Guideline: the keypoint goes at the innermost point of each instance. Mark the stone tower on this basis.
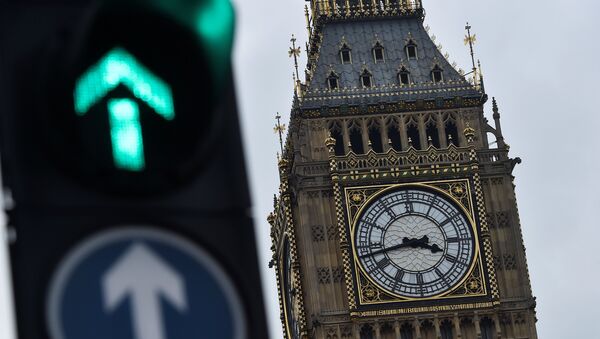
(397, 215)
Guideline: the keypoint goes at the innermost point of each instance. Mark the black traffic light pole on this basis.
(131, 214)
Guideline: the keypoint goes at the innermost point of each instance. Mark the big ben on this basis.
(397, 216)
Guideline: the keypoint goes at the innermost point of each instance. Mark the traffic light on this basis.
(121, 149)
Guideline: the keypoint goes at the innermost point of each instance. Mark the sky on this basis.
(539, 60)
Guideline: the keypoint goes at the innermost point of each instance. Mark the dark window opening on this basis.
(487, 328)
(356, 142)
(446, 329)
(366, 80)
(413, 135)
(406, 332)
(378, 53)
(411, 51)
(395, 140)
(375, 138)
(432, 133)
(346, 55)
(339, 142)
(452, 133)
(366, 332)
(436, 74)
(404, 76)
(332, 81)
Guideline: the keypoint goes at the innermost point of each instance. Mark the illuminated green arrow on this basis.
(120, 67)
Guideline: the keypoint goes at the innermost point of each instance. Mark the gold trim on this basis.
(469, 212)
(424, 309)
(286, 322)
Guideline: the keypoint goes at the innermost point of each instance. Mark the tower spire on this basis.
(470, 40)
(279, 129)
(294, 52)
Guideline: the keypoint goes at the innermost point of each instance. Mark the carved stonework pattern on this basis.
(327, 275)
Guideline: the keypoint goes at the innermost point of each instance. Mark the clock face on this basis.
(289, 294)
(414, 242)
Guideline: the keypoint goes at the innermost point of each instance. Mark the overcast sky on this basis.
(540, 60)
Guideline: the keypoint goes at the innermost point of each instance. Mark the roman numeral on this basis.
(450, 258)
(433, 201)
(441, 275)
(419, 279)
(399, 275)
(383, 263)
(448, 220)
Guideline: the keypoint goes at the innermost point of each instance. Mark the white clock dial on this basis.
(414, 242)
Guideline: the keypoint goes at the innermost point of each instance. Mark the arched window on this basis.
(446, 329)
(394, 136)
(487, 328)
(411, 50)
(432, 132)
(404, 76)
(378, 54)
(406, 332)
(375, 137)
(412, 131)
(336, 133)
(451, 131)
(346, 54)
(437, 74)
(366, 79)
(356, 141)
(333, 81)
(366, 332)
(387, 331)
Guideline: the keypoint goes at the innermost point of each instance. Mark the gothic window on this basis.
(366, 332)
(333, 80)
(346, 54)
(446, 329)
(406, 332)
(378, 54)
(487, 328)
(375, 137)
(394, 136)
(404, 76)
(387, 331)
(356, 141)
(411, 50)
(336, 133)
(366, 79)
(437, 74)
(432, 132)
(451, 131)
(412, 131)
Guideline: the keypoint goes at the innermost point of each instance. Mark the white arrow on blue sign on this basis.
(141, 283)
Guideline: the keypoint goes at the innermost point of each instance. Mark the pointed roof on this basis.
(361, 35)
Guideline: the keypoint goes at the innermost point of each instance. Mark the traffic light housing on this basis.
(116, 114)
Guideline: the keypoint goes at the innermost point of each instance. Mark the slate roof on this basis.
(393, 35)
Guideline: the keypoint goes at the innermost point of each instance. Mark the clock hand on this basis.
(405, 243)
(423, 242)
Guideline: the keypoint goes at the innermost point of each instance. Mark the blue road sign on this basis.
(141, 283)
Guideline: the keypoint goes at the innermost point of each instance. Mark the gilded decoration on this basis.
(473, 284)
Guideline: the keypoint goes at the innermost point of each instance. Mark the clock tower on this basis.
(397, 215)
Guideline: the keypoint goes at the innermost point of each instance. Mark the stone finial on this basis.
(330, 143)
(469, 133)
(271, 219)
(283, 163)
(495, 108)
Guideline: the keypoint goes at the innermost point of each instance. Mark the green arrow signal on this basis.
(120, 67)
